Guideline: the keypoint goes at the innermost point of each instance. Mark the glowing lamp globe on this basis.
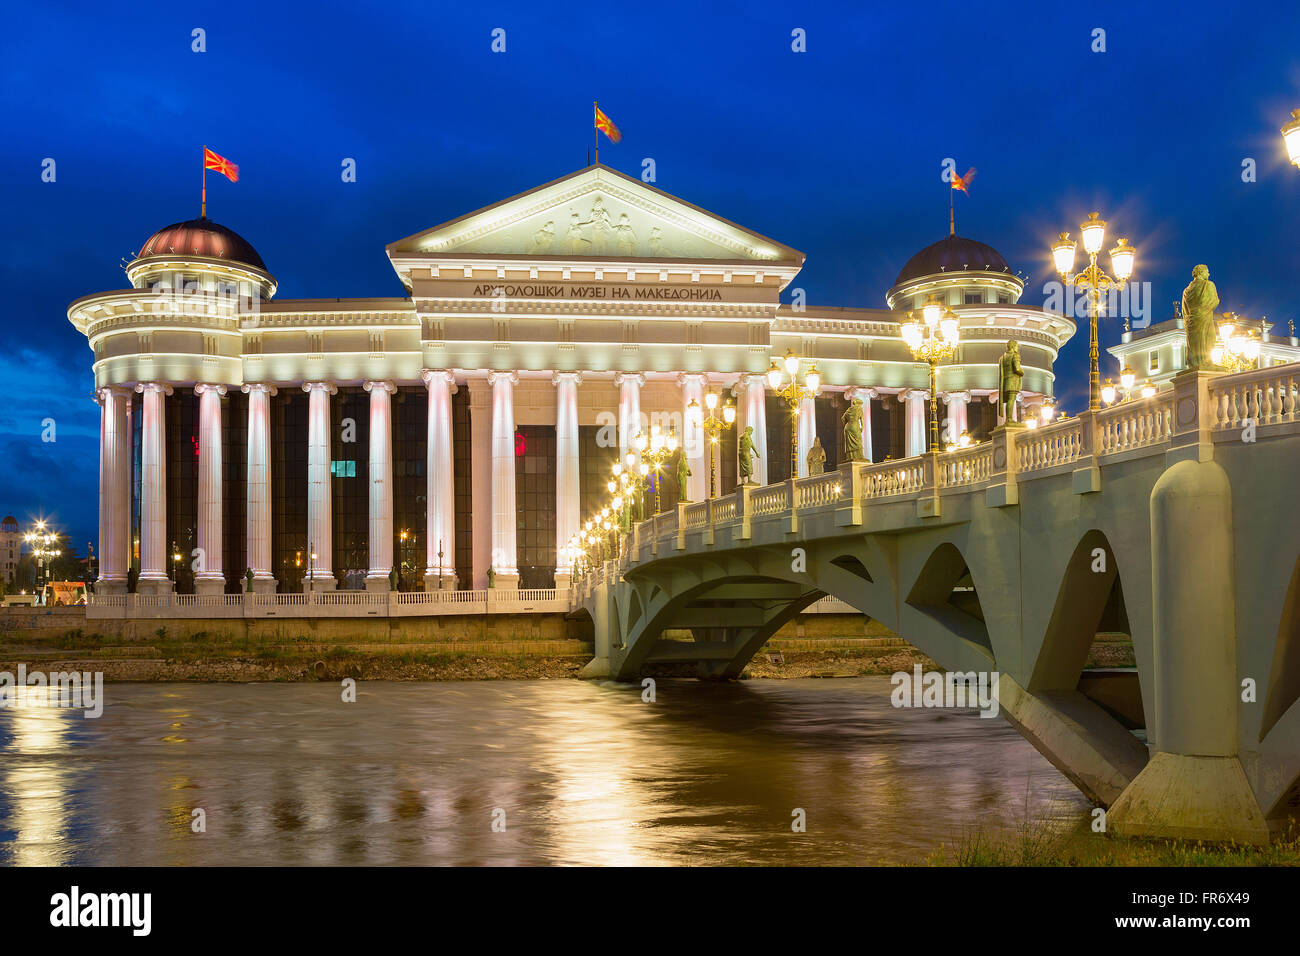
(950, 327)
(711, 400)
(1121, 260)
(813, 379)
(791, 363)
(1291, 136)
(1063, 254)
(1148, 390)
(1126, 378)
(1108, 392)
(729, 413)
(913, 334)
(1094, 234)
(931, 311)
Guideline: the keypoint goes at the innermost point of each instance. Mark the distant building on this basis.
(11, 546)
(1159, 352)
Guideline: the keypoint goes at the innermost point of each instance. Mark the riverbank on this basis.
(867, 648)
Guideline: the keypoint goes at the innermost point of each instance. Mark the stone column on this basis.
(259, 488)
(153, 490)
(568, 486)
(754, 412)
(114, 490)
(209, 578)
(440, 500)
(956, 402)
(629, 408)
(504, 547)
(380, 475)
(917, 423)
(695, 440)
(807, 432)
(320, 500)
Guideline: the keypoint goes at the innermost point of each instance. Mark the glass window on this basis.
(535, 459)
(973, 298)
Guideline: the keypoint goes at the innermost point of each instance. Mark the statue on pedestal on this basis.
(746, 453)
(852, 422)
(816, 458)
(1200, 299)
(1010, 375)
(683, 472)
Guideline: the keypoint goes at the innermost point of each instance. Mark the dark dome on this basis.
(952, 254)
(202, 237)
(10, 523)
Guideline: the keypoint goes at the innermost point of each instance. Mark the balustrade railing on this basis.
(968, 466)
(1136, 424)
(890, 478)
(1265, 396)
(1049, 446)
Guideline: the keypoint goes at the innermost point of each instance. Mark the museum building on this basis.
(470, 424)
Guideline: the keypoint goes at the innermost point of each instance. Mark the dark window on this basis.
(289, 555)
(973, 298)
(595, 469)
(410, 407)
(350, 486)
(234, 488)
(182, 457)
(462, 444)
(535, 505)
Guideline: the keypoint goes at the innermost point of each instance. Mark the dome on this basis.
(202, 237)
(9, 523)
(952, 254)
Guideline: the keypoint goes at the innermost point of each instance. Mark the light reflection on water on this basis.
(585, 773)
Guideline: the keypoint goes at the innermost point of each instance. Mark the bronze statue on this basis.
(816, 458)
(1010, 375)
(852, 422)
(1200, 299)
(747, 452)
(683, 472)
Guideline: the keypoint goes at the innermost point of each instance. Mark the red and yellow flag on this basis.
(220, 164)
(606, 126)
(962, 182)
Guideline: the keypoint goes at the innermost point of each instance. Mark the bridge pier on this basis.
(1194, 786)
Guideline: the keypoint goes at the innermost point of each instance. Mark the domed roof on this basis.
(952, 254)
(202, 237)
(9, 523)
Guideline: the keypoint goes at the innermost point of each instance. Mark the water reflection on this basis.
(584, 774)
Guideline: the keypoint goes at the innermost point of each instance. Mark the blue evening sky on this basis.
(835, 151)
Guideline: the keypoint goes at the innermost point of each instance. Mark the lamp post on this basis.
(932, 339)
(714, 426)
(1094, 280)
(40, 541)
(661, 449)
(793, 393)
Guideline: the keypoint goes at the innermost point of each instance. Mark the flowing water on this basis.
(576, 772)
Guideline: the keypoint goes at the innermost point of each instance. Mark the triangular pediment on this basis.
(595, 212)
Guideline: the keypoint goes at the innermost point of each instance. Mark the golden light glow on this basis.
(1291, 137)
(1063, 254)
(1093, 233)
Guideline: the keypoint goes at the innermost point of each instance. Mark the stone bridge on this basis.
(1172, 519)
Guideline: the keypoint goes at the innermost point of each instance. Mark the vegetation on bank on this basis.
(1044, 841)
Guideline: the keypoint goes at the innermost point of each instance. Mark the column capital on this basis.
(100, 394)
(496, 375)
(955, 396)
(631, 378)
(574, 377)
(691, 378)
(143, 387)
(250, 387)
(383, 386)
(328, 387)
(440, 376)
(857, 391)
(753, 380)
(201, 387)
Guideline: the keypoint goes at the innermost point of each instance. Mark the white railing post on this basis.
(1087, 474)
(1003, 489)
(1193, 418)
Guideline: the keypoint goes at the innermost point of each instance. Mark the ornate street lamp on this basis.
(1094, 280)
(40, 545)
(1237, 351)
(714, 426)
(662, 447)
(931, 340)
(793, 394)
(1291, 137)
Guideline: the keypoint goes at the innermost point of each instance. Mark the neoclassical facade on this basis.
(461, 431)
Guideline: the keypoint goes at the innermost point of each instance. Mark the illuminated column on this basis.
(259, 488)
(956, 402)
(153, 490)
(694, 439)
(208, 578)
(380, 474)
(440, 508)
(114, 490)
(915, 400)
(755, 414)
(320, 529)
(629, 408)
(567, 476)
(504, 550)
(806, 433)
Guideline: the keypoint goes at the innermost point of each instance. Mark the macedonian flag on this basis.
(963, 182)
(606, 126)
(220, 164)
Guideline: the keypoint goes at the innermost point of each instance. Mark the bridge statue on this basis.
(1010, 375)
(746, 452)
(683, 472)
(816, 458)
(852, 422)
(1200, 299)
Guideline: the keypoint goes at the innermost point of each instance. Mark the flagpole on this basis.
(203, 214)
(952, 226)
(594, 107)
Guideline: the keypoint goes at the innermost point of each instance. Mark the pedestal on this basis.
(204, 584)
(446, 582)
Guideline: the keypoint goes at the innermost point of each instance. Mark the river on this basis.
(510, 772)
